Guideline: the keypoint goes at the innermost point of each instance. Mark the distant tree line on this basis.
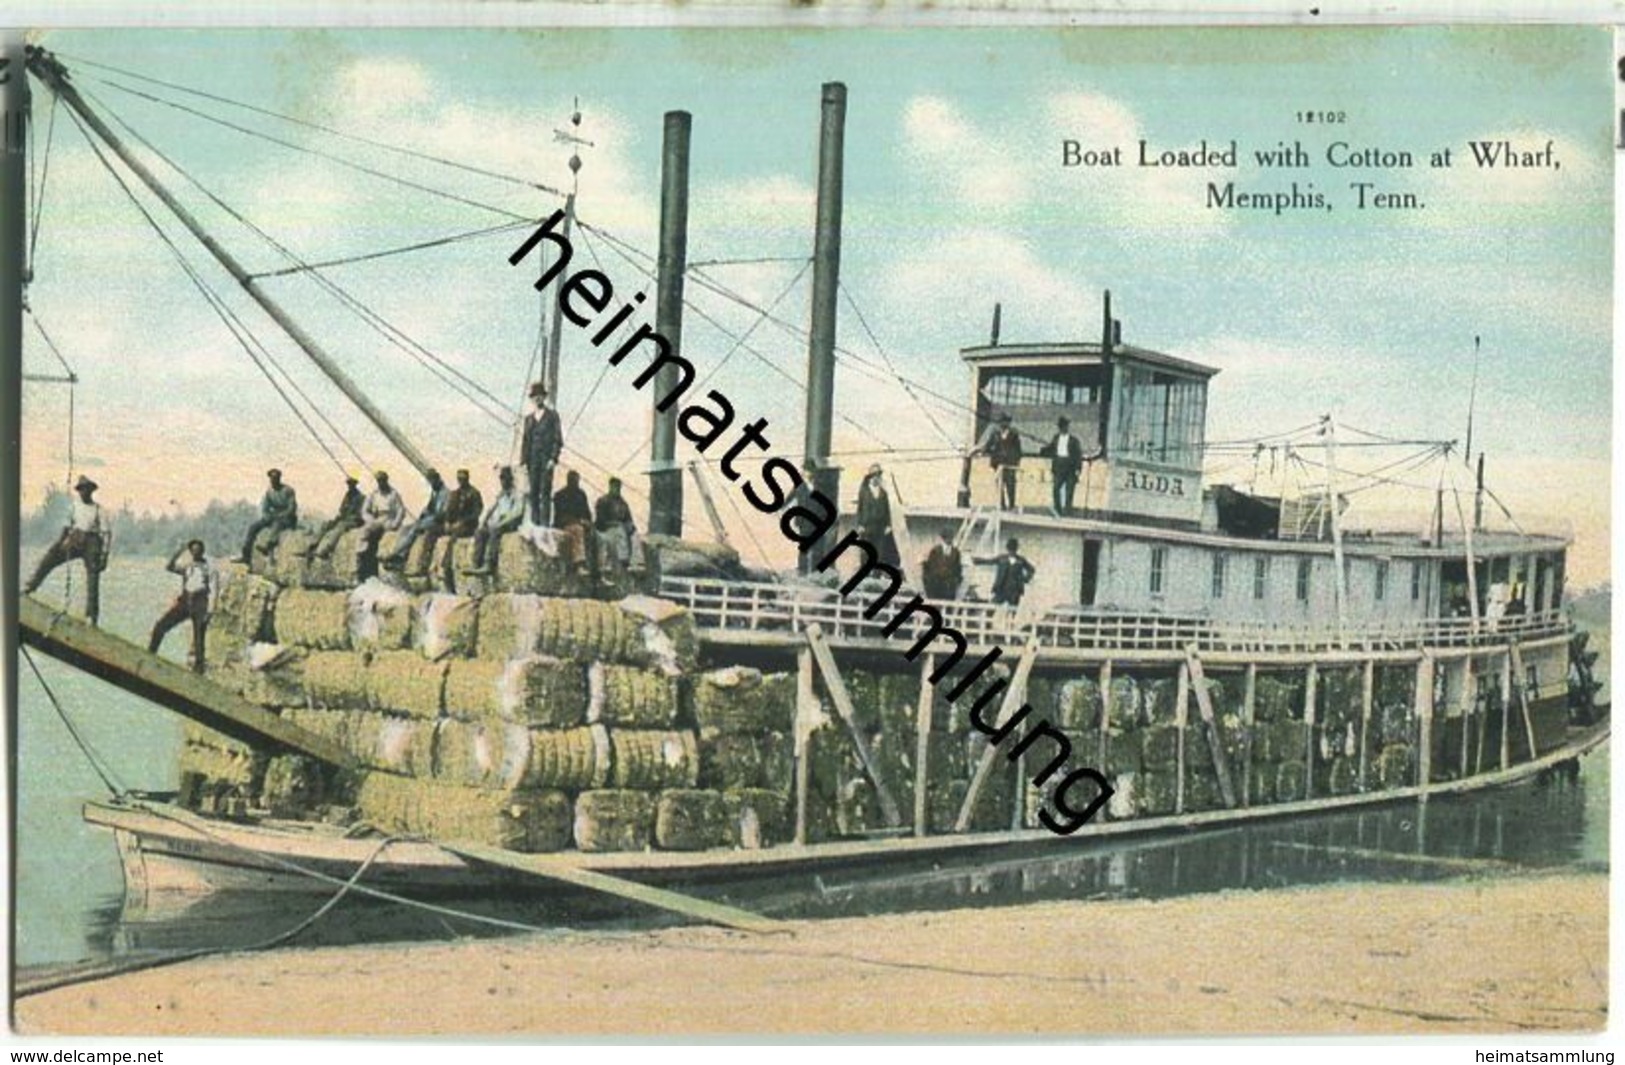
(221, 526)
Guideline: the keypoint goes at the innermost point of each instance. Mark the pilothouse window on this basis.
(1160, 417)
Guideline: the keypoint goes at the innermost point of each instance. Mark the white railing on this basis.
(789, 609)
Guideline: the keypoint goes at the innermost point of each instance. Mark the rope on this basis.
(44, 173)
(603, 371)
(233, 324)
(442, 370)
(361, 889)
(329, 156)
(96, 763)
(907, 387)
(740, 340)
(413, 153)
(472, 234)
(748, 262)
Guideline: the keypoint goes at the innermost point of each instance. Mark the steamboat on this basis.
(1222, 656)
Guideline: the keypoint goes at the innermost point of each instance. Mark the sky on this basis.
(955, 198)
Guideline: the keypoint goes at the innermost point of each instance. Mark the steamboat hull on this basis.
(173, 858)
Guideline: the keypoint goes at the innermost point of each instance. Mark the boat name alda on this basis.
(1158, 483)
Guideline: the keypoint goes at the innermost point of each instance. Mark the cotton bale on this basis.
(653, 759)
(1289, 782)
(1077, 703)
(758, 817)
(668, 633)
(336, 679)
(293, 787)
(380, 616)
(614, 820)
(573, 759)
(406, 683)
(275, 675)
(626, 696)
(445, 626)
(314, 619)
(525, 821)
(745, 700)
(688, 819)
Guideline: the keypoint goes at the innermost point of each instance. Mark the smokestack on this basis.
(665, 475)
(826, 280)
(998, 309)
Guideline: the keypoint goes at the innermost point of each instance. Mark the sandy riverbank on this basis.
(1481, 955)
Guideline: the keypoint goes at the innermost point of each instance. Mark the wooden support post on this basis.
(1368, 695)
(1424, 718)
(922, 745)
(1105, 711)
(1469, 693)
(806, 711)
(1204, 706)
(1014, 696)
(1520, 684)
(843, 705)
(1310, 687)
(1249, 715)
(1182, 698)
(1506, 708)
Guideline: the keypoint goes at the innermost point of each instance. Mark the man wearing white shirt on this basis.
(504, 516)
(88, 537)
(1065, 453)
(199, 591)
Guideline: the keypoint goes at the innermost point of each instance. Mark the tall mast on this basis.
(826, 289)
(54, 77)
(550, 354)
(13, 230)
(665, 476)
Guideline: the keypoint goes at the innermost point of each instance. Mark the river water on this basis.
(70, 889)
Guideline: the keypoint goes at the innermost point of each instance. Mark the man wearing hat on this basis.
(464, 505)
(874, 515)
(539, 449)
(1002, 446)
(348, 517)
(87, 536)
(200, 589)
(279, 511)
(612, 520)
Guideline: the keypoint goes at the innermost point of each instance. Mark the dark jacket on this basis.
(1010, 578)
(463, 509)
(570, 507)
(874, 510)
(1064, 462)
(542, 440)
(1005, 448)
(612, 511)
(942, 571)
(350, 506)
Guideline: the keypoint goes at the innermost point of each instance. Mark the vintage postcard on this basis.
(657, 532)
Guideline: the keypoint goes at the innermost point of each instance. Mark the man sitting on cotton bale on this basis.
(507, 511)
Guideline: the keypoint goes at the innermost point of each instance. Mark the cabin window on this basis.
(1160, 417)
(1379, 589)
(1303, 579)
(1159, 566)
(1416, 581)
(1261, 577)
(1218, 576)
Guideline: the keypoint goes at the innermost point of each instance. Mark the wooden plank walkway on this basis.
(130, 668)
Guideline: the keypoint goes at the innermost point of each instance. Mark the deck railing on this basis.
(789, 609)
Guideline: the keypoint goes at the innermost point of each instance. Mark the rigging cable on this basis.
(44, 174)
(229, 317)
(338, 159)
(102, 769)
(422, 245)
(740, 340)
(437, 366)
(384, 145)
(907, 387)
